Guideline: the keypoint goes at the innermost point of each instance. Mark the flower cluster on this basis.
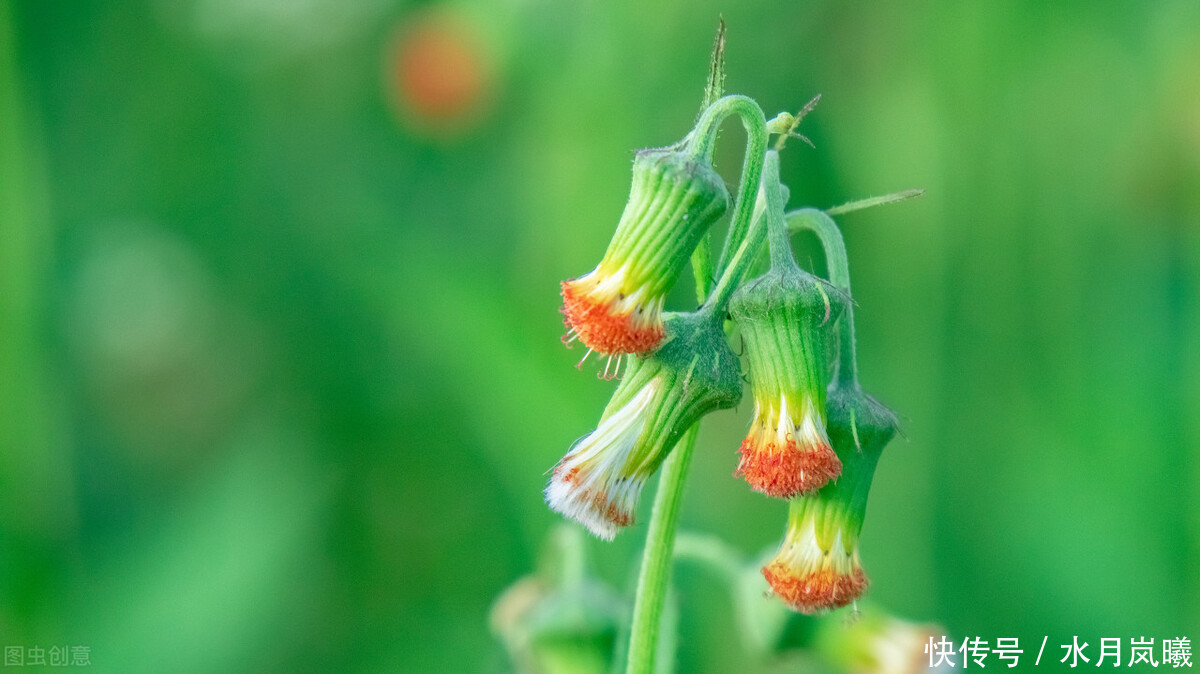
(814, 439)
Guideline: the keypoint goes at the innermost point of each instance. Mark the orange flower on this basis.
(817, 568)
(610, 318)
(785, 317)
(787, 451)
(617, 307)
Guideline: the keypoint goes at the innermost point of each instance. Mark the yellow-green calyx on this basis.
(599, 481)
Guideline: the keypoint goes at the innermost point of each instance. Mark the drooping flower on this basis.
(617, 307)
(785, 317)
(818, 568)
(598, 483)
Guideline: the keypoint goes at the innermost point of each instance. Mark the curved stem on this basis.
(703, 140)
(769, 198)
(655, 573)
(827, 231)
(737, 268)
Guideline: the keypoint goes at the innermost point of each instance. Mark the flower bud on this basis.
(785, 317)
(818, 567)
(875, 643)
(617, 307)
(599, 481)
(575, 630)
(560, 620)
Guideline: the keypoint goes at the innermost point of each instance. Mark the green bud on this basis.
(574, 630)
(876, 642)
(559, 621)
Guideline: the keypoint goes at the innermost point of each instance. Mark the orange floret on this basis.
(787, 452)
(786, 469)
(813, 590)
(608, 321)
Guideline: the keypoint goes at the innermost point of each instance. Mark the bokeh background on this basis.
(280, 377)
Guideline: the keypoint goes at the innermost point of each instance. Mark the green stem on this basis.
(779, 243)
(655, 574)
(747, 252)
(827, 231)
(702, 142)
(564, 563)
(745, 237)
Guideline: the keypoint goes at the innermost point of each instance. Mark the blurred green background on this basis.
(280, 377)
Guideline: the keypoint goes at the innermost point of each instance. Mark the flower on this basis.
(611, 314)
(818, 568)
(785, 317)
(598, 483)
(787, 452)
(617, 307)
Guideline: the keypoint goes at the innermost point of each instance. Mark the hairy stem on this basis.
(778, 242)
(703, 142)
(827, 231)
(655, 574)
(749, 248)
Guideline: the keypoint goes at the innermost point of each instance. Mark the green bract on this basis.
(859, 427)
